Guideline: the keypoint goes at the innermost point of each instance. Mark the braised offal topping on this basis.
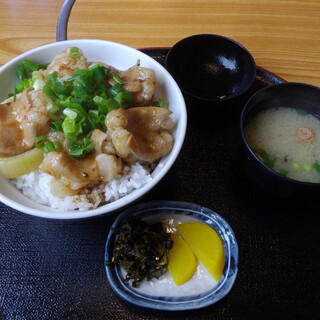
(22, 120)
(74, 173)
(66, 62)
(141, 82)
(90, 119)
(142, 131)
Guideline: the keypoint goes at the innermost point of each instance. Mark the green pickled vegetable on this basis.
(141, 250)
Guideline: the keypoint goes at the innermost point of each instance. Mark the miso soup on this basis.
(288, 141)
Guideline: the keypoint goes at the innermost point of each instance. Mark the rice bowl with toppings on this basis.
(128, 184)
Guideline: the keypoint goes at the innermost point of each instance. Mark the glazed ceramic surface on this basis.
(201, 290)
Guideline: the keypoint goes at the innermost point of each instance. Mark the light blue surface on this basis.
(185, 302)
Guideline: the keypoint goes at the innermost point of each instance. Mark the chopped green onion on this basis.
(77, 108)
(268, 160)
(69, 113)
(88, 144)
(48, 146)
(68, 125)
(57, 85)
(123, 97)
(51, 107)
(25, 75)
(56, 125)
(65, 101)
(73, 78)
(74, 53)
(24, 84)
(161, 103)
(38, 141)
(39, 84)
(43, 66)
(105, 105)
(85, 125)
(284, 172)
(99, 72)
(302, 112)
(82, 87)
(116, 78)
(98, 100)
(296, 165)
(54, 117)
(317, 166)
(21, 72)
(30, 65)
(74, 145)
(49, 92)
(307, 166)
(102, 88)
(56, 144)
(115, 89)
(71, 129)
(42, 143)
(79, 149)
(97, 121)
(36, 75)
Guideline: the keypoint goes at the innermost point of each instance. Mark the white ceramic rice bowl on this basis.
(121, 57)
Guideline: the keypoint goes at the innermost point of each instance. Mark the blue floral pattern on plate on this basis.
(157, 210)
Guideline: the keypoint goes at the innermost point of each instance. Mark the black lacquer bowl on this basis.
(211, 67)
(298, 96)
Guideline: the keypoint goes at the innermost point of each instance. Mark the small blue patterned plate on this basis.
(202, 290)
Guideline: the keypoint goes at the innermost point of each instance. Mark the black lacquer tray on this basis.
(52, 269)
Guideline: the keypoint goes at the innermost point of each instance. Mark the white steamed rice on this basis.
(36, 186)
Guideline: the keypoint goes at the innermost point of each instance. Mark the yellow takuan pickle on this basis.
(206, 245)
(182, 261)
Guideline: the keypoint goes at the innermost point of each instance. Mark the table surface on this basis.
(281, 34)
(54, 269)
